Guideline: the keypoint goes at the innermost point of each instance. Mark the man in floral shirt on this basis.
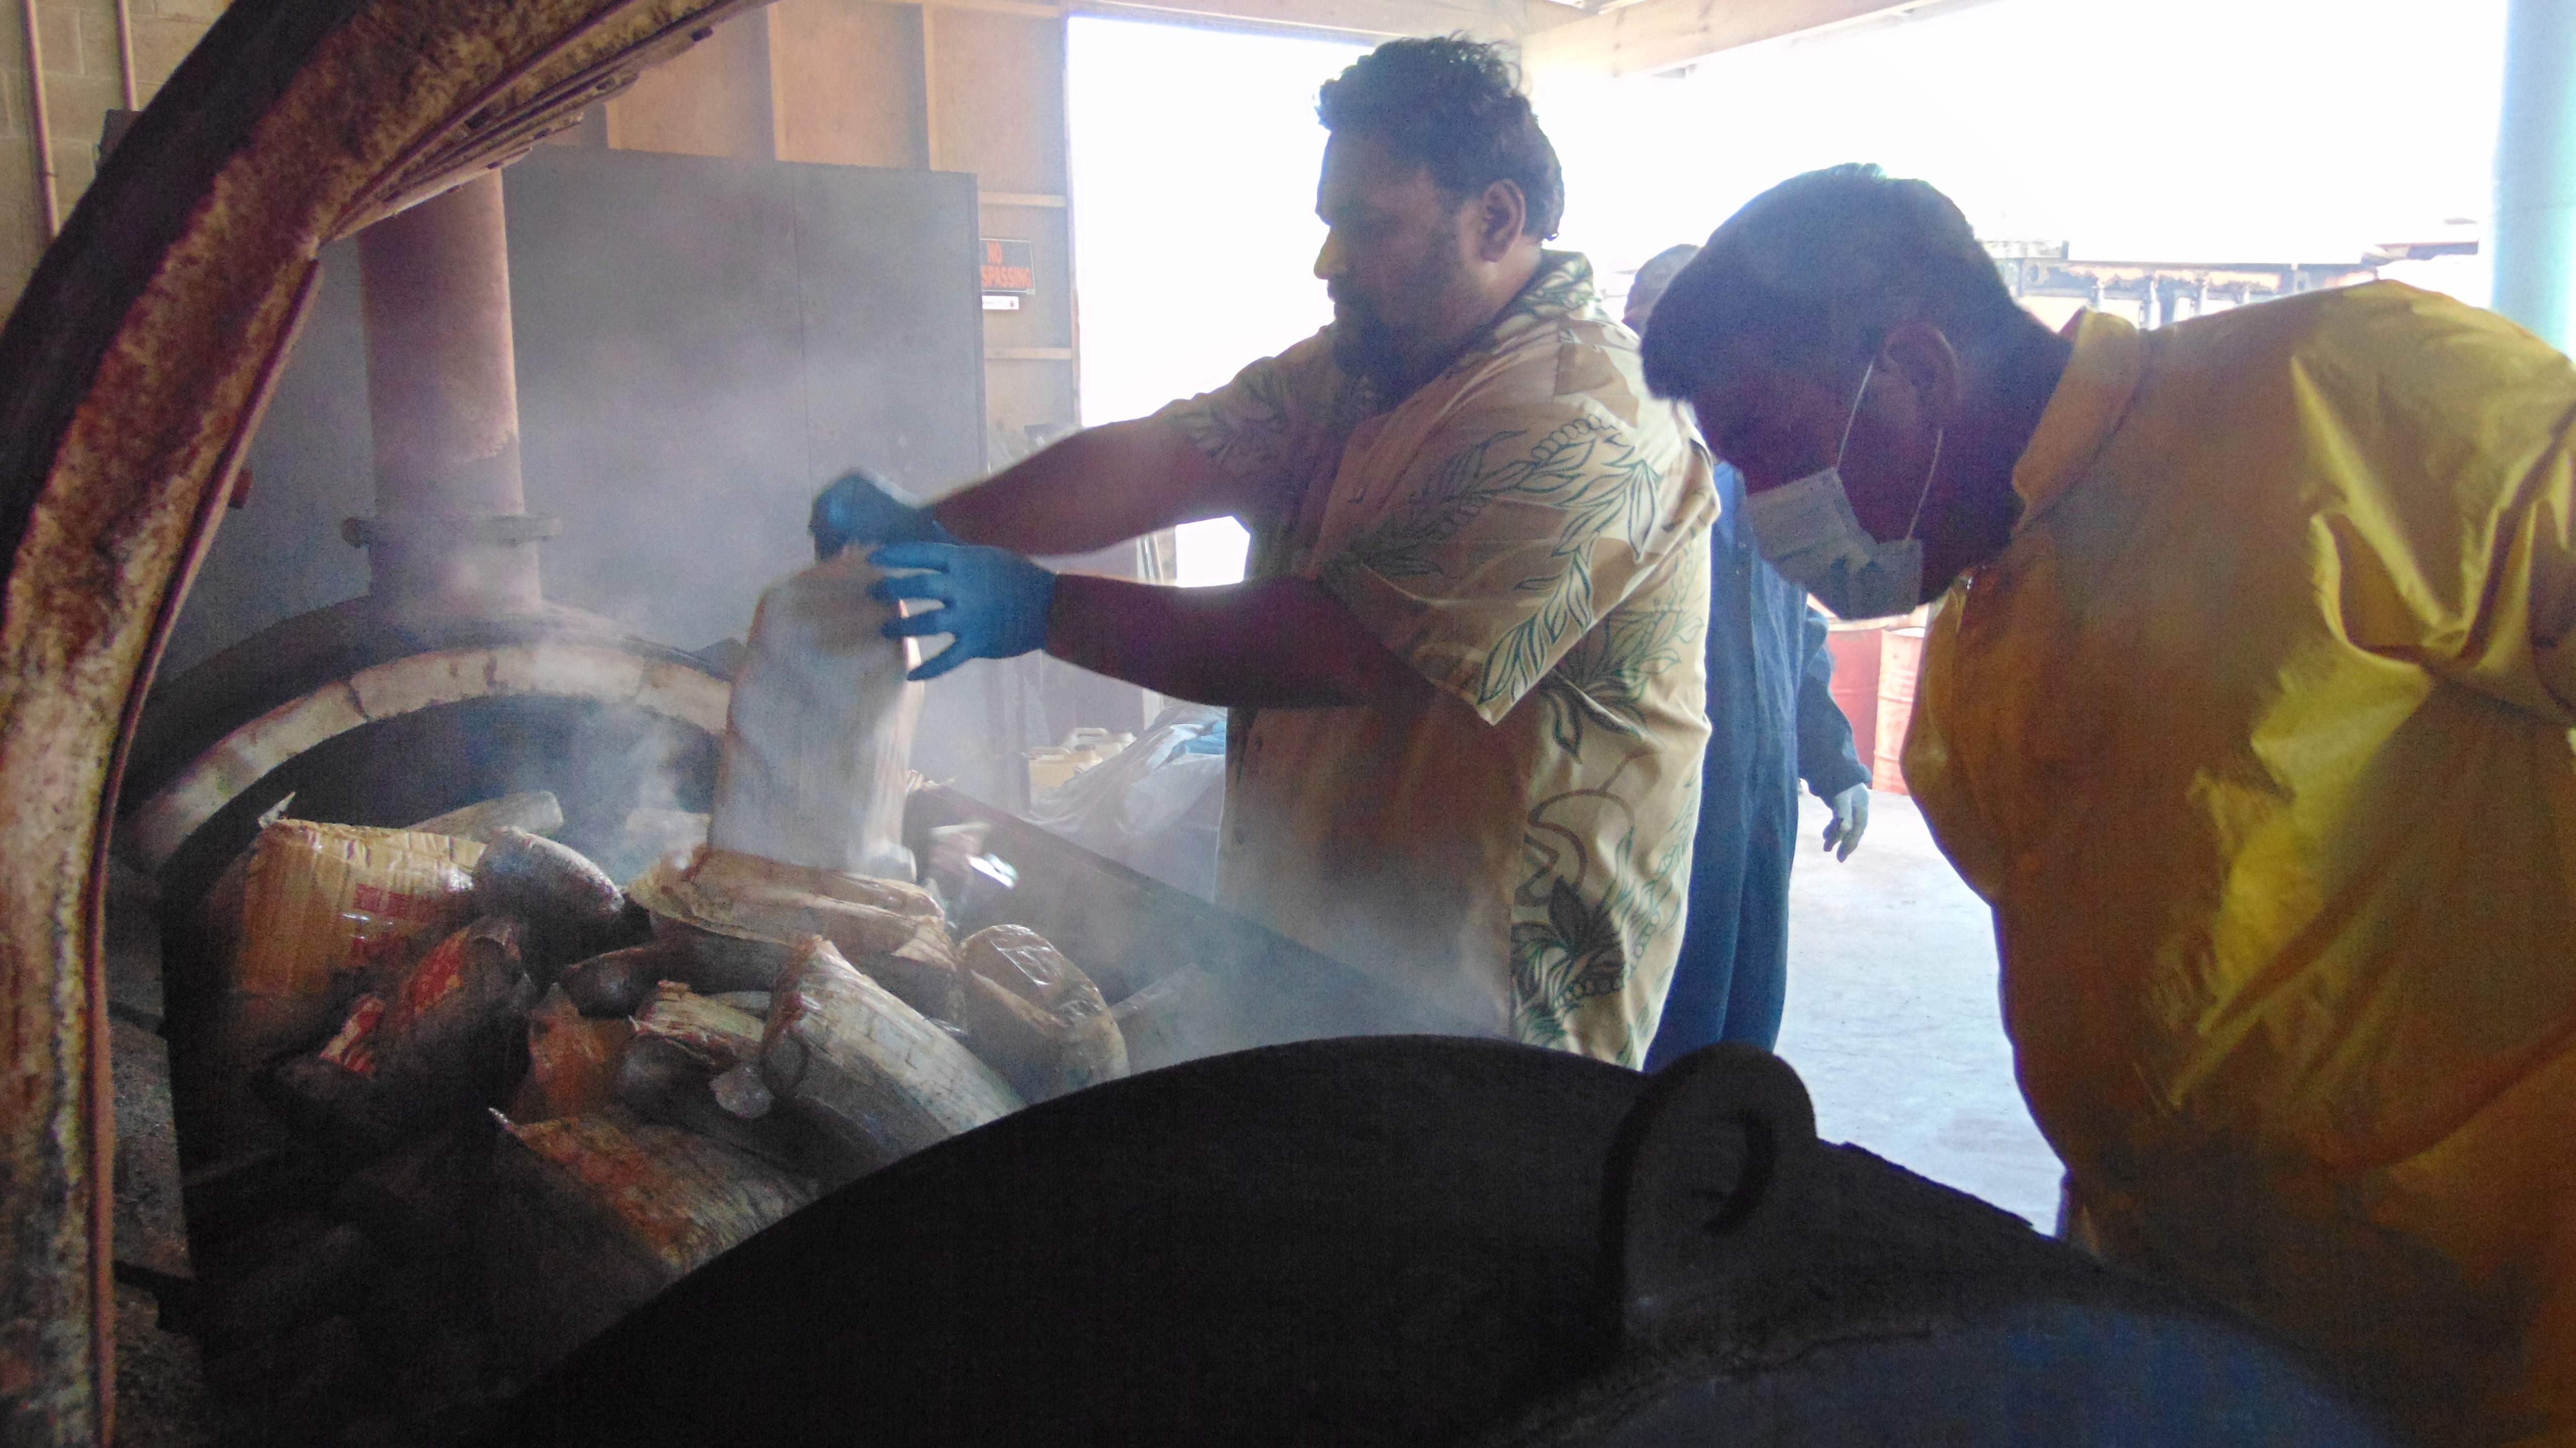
(1466, 670)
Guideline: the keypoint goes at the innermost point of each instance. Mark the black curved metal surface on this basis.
(1294, 1244)
(1402, 1240)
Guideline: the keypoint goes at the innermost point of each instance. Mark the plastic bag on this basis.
(737, 918)
(1154, 805)
(321, 901)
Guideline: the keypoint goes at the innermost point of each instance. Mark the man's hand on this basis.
(1850, 822)
(857, 508)
(994, 602)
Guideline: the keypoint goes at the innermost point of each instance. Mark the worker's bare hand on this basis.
(1850, 821)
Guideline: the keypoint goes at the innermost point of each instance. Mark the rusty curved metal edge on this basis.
(98, 1110)
(129, 375)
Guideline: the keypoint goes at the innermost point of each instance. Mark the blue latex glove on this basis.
(993, 601)
(1850, 822)
(860, 508)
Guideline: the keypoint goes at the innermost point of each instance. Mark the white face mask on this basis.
(1808, 531)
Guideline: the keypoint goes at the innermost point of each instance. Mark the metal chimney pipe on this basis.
(452, 537)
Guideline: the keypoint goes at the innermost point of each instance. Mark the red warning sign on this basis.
(1009, 268)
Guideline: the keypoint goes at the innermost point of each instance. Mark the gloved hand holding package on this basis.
(859, 508)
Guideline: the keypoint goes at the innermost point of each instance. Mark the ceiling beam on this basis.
(1367, 19)
(1653, 35)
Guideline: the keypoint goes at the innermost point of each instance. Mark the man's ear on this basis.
(1918, 352)
(1500, 213)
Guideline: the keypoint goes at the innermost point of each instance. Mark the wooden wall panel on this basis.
(711, 101)
(847, 78)
(997, 98)
(1022, 395)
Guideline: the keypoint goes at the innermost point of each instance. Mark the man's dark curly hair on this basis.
(1455, 105)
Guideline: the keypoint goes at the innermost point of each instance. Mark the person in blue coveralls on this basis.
(1772, 720)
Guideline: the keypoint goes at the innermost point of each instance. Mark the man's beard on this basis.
(1370, 347)
(1366, 346)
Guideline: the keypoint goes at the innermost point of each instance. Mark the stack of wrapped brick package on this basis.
(517, 1100)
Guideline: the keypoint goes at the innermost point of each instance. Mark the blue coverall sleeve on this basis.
(1827, 759)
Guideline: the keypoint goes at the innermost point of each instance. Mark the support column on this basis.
(451, 537)
(2535, 214)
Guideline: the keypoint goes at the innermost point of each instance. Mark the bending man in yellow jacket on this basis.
(2247, 708)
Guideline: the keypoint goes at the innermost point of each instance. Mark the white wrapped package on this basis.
(818, 739)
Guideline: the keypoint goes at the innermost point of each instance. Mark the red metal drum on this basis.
(1855, 653)
(1900, 659)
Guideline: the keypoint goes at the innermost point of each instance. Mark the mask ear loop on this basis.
(1928, 474)
(1854, 416)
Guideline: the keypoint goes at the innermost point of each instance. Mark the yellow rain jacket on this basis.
(2256, 738)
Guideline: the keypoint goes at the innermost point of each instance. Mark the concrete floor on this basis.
(1892, 1018)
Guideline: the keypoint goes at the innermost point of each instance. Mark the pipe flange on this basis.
(499, 528)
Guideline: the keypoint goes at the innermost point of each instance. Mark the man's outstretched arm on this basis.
(1097, 488)
(1273, 643)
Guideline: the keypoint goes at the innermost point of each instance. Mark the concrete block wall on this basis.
(83, 80)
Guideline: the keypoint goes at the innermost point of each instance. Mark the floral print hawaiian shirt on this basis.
(1529, 530)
